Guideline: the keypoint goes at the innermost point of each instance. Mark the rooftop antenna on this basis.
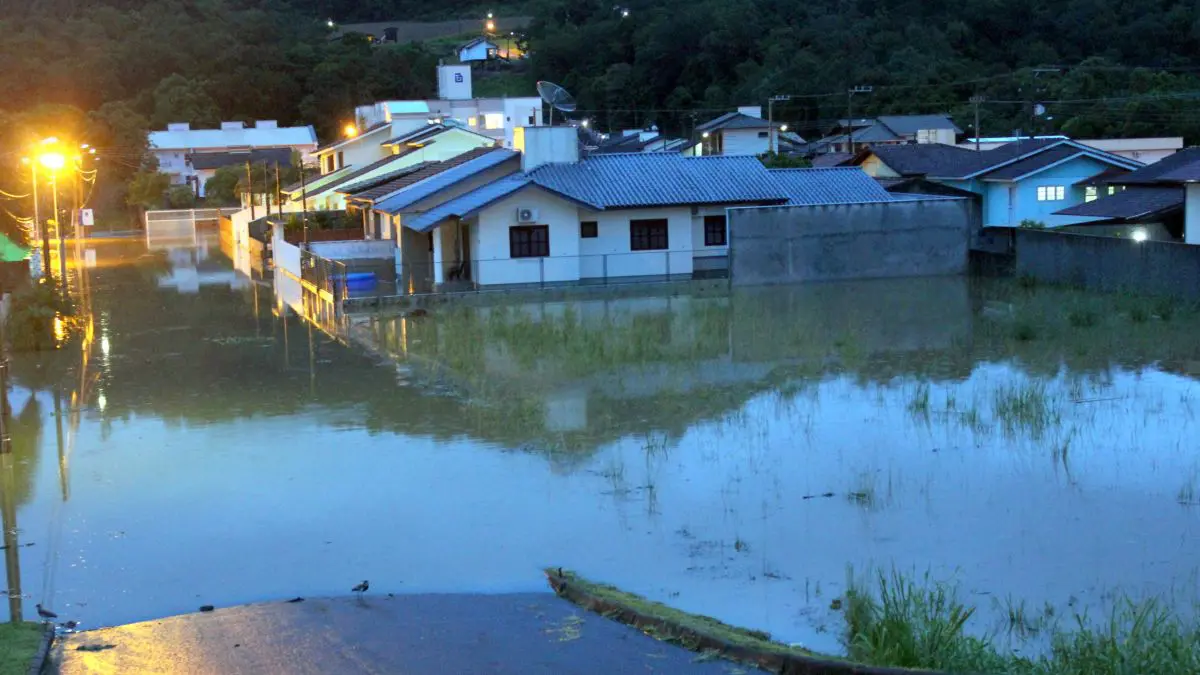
(556, 97)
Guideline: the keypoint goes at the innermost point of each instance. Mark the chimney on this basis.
(179, 126)
(546, 145)
(751, 110)
(227, 126)
(266, 124)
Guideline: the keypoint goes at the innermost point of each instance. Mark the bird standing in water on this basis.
(361, 588)
(45, 613)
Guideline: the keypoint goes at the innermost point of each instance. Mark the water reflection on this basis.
(218, 449)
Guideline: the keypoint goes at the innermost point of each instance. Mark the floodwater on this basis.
(733, 454)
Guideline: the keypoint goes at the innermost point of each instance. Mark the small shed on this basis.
(479, 49)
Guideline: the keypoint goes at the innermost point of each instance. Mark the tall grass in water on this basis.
(1025, 407)
(922, 625)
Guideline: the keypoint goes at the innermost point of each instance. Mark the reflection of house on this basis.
(1159, 201)
(191, 269)
(744, 132)
(479, 49)
(205, 164)
(889, 130)
(184, 153)
(1031, 180)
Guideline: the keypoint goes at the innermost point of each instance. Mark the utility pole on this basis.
(37, 220)
(859, 89)
(62, 243)
(771, 144)
(975, 101)
(250, 190)
(278, 194)
(304, 203)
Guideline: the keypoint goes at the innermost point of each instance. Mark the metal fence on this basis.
(175, 226)
(478, 276)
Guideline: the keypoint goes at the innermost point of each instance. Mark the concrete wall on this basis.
(355, 250)
(1109, 263)
(490, 241)
(744, 142)
(1191, 214)
(786, 244)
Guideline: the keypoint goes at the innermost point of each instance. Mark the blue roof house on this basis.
(566, 219)
(1030, 180)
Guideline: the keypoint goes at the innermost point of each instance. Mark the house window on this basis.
(714, 230)
(589, 229)
(493, 121)
(472, 121)
(1051, 193)
(529, 241)
(341, 159)
(1090, 193)
(533, 120)
(762, 134)
(648, 235)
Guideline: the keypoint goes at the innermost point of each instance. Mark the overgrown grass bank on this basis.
(19, 643)
(897, 621)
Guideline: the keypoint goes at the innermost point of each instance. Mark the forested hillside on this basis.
(107, 71)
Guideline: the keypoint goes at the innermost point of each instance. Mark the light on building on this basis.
(489, 15)
(783, 128)
(329, 23)
(705, 134)
(624, 13)
(584, 124)
(350, 131)
(1139, 235)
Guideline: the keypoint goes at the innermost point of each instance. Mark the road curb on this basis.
(756, 649)
(43, 653)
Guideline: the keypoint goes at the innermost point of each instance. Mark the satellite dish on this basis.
(556, 97)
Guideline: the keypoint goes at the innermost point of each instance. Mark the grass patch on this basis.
(1025, 407)
(19, 643)
(904, 623)
(1024, 331)
(1082, 317)
(918, 403)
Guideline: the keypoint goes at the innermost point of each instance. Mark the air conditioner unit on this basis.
(525, 215)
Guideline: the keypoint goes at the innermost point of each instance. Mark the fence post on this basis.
(668, 264)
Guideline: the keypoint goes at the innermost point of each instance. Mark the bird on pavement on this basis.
(361, 588)
(45, 613)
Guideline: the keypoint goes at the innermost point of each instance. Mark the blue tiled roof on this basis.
(412, 194)
(832, 185)
(468, 203)
(660, 179)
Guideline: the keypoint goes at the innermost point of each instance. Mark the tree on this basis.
(148, 188)
(222, 188)
(181, 197)
(181, 99)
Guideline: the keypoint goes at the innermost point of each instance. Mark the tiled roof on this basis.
(660, 179)
(354, 187)
(430, 186)
(911, 124)
(734, 120)
(830, 159)
(468, 203)
(925, 158)
(844, 185)
(216, 160)
(952, 162)
(355, 172)
(1030, 164)
(428, 170)
(1136, 201)
(1151, 173)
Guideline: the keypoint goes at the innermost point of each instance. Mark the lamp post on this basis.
(54, 161)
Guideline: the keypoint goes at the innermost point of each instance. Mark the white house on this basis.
(565, 219)
(744, 132)
(1144, 150)
(190, 156)
(479, 49)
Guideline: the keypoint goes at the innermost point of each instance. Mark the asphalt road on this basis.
(402, 635)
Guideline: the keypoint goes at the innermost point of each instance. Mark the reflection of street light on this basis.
(350, 130)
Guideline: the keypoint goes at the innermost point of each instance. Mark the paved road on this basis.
(402, 635)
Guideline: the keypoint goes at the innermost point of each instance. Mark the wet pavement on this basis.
(525, 633)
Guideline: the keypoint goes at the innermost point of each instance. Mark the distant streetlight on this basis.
(783, 128)
(705, 134)
(491, 26)
(624, 13)
(329, 23)
(1139, 235)
(584, 124)
(489, 15)
(350, 131)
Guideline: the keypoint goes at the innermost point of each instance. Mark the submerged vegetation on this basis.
(898, 621)
(39, 317)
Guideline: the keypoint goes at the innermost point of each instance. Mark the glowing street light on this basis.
(584, 124)
(491, 26)
(329, 23)
(52, 160)
(350, 131)
(783, 128)
(625, 14)
(489, 15)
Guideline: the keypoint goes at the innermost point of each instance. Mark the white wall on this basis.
(744, 142)
(698, 232)
(286, 258)
(490, 244)
(1191, 214)
(608, 254)
(355, 250)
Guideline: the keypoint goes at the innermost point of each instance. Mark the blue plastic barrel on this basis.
(360, 281)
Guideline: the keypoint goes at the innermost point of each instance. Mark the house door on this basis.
(464, 235)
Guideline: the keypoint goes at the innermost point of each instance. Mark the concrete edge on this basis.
(565, 585)
(43, 653)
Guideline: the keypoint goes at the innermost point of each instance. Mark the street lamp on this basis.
(491, 26)
(350, 130)
(52, 160)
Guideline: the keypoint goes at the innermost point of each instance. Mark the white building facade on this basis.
(177, 146)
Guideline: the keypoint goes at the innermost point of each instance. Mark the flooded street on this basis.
(733, 454)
